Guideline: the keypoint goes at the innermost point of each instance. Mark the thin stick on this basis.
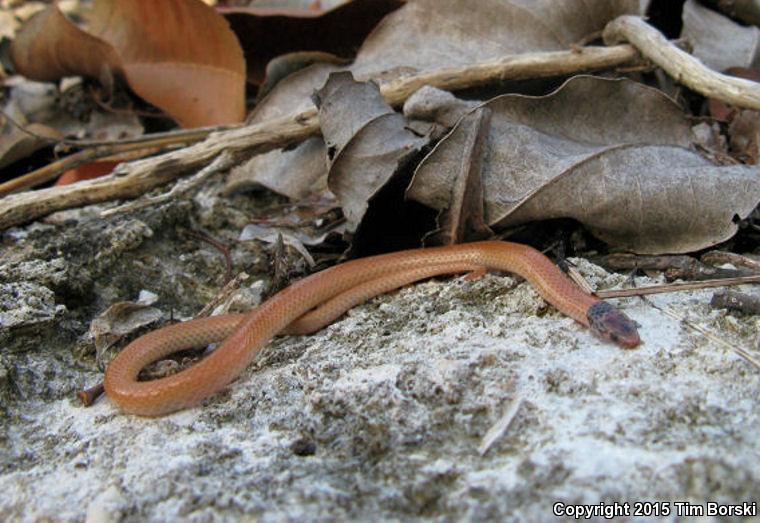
(679, 286)
(89, 396)
(500, 428)
(222, 162)
(135, 178)
(229, 287)
(223, 249)
(99, 150)
(684, 68)
(742, 353)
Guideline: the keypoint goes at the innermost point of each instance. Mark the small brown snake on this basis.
(315, 301)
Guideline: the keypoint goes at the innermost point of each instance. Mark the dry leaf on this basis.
(461, 217)
(16, 144)
(266, 33)
(121, 319)
(743, 124)
(719, 41)
(608, 153)
(179, 55)
(294, 172)
(285, 65)
(430, 34)
(424, 35)
(87, 171)
(367, 142)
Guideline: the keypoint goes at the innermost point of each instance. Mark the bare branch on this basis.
(683, 67)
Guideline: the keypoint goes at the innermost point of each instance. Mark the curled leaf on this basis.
(611, 154)
(719, 41)
(367, 141)
(179, 55)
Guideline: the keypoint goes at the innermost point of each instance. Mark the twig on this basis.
(678, 286)
(222, 162)
(749, 358)
(134, 178)
(738, 260)
(97, 150)
(231, 286)
(219, 246)
(89, 396)
(499, 429)
(683, 67)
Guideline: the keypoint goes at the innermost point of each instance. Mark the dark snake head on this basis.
(611, 324)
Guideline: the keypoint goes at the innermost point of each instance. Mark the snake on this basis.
(308, 304)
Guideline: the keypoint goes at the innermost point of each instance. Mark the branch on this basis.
(134, 178)
(683, 67)
(144, 146)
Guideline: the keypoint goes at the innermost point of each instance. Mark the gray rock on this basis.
(447, 400)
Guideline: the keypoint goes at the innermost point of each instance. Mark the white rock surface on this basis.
(390, 406)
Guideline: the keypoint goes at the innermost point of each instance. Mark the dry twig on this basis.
(678, 286)
(742, 353)
(101, 150)
(683, 67)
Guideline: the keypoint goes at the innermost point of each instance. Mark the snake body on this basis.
(316, 300)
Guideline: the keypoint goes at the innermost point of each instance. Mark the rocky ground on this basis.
(448, 400)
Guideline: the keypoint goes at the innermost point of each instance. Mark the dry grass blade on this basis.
(679, 286)
(742, 353)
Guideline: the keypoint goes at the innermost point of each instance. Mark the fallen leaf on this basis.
(719, 41)
(294, 172)
(266, 33)
(747, 11)
(431, 34)
(367, 142)
(179, 55)
(461, 217)
(743, 124)
(16, 144)
(284, 65)
(121, 319)
(611, 154)
(87, 171)
(424, 35)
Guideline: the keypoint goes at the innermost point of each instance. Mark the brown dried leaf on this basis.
(744, 124)
(285, 65)
(292, 172)
(266, 33)
(295, 173)
(462, 215)
(121, 319)
(427, 34)
(49, 46)
(608, 153)
(16, 144)
(369, 141)
(719, 41)
(179, 55)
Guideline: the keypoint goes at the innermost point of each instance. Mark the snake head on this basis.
(611, 324)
